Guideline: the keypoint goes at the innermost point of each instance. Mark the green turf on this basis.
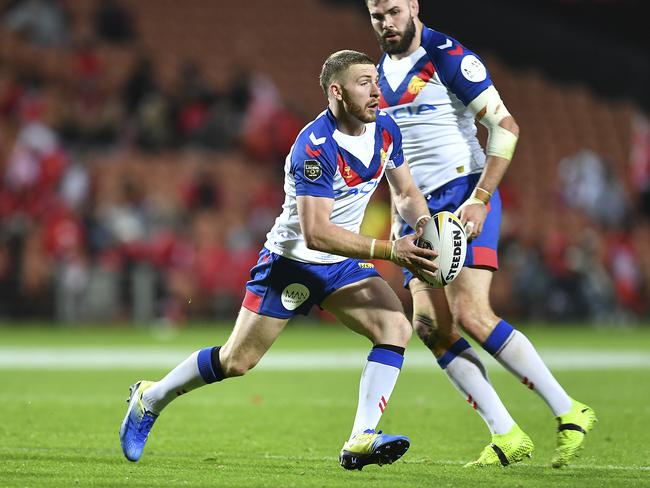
(284, 428)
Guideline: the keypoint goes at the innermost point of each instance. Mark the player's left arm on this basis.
(406, 198)
(464, 73)
(503, 132)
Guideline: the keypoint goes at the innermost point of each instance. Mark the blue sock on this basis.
(456, 348)
(499, 336)
(209, 364)
(387, 354)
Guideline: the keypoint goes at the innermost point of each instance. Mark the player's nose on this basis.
(387, 24)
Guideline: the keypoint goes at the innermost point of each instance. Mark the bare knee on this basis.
(394, 329)
(476, 322)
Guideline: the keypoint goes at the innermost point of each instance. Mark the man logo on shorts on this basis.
(294, 295)
(312, 170)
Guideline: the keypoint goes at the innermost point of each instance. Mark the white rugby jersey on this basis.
(427, 94)
(324, 162)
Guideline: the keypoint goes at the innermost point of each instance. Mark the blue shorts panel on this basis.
(281, 287)
(482, 251)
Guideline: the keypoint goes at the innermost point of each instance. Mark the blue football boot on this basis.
(137, 422)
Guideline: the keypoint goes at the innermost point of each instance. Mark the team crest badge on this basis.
(415, 85)
(313, 171)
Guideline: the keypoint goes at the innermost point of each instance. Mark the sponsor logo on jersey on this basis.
(367, 187)
(473, 69)
(411, 111)
(312, 170)
(366, 265)
(294, 295)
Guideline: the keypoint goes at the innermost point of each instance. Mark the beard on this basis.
(358, 111)
(398, 47)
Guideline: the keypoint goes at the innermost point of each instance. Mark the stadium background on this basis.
(142, 143)
(141, 153)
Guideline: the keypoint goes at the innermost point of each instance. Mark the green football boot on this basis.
(505, 449)
(571, 433)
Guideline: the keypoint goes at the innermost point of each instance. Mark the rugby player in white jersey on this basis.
(314, 255)
(435, 89)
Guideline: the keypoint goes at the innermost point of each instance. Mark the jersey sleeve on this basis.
(392, 134)
(459, 69)
(312, 170)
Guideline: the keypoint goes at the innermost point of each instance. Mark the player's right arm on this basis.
(322, 235)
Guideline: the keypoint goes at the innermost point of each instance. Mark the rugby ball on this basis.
(445, 234)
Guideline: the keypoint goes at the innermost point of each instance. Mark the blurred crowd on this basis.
(590, 261)
(149, 201)
(142, 201)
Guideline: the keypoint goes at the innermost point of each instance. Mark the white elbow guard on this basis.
(501, 142)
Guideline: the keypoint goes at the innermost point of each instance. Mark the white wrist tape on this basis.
(469, 201)
(423, 216)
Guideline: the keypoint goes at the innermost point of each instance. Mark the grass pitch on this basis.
(283, 425)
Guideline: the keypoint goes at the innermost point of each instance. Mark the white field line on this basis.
(130, 357)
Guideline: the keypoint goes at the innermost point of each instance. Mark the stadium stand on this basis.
(143, 173)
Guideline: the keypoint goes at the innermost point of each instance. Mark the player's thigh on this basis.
(249, 340)
(469, 301)
(370, 307)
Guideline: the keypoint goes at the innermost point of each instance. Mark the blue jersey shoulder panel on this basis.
(313, 159)
(459, 69)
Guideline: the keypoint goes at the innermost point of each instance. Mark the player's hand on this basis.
(417, 260)
(472, 214)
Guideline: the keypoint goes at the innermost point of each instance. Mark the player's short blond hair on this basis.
(338, 63)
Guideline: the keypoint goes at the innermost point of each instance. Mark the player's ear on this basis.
(415, 8)
(336, 90)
